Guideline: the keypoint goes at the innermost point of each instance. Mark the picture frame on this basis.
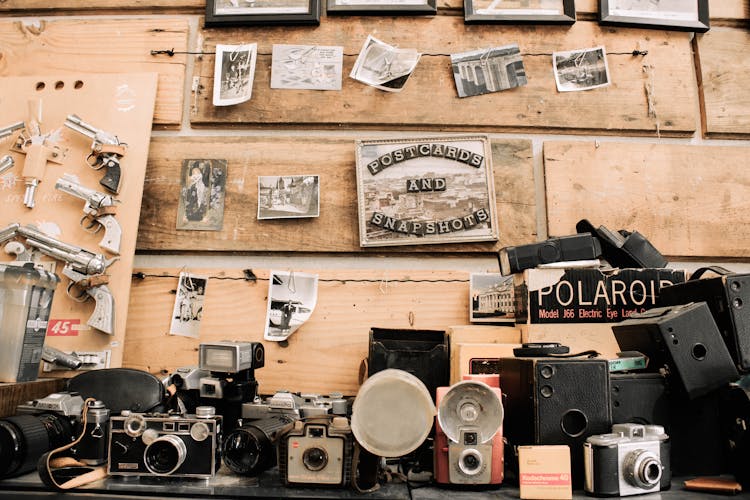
(261, 12)
(382, 7)
(519, 11)
(680, 15)
(425, 190)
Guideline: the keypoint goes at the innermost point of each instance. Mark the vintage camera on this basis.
(296, 406)
(186, 381)
(632, 460)
(317, 451)
(468, 434)
(581, 246)
(161, 444)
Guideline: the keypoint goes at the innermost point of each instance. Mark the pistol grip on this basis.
(112, 173)
(112, 234)
(103, 317)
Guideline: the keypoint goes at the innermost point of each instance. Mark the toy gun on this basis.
(6, 131)
(6, 162)
(106, 151)
(99, 212)
(84, 269)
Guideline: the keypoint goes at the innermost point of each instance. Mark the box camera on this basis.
(515, 259)
(161, 444)
(468, 434)
(48, 423)
(632, 460)
(317, 451)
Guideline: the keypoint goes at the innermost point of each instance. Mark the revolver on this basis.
(106, 151)
(99, 212)
(85, 269)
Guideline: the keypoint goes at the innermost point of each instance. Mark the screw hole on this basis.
(59, 85)
(40, 86)
(737, 303)
(78, 84)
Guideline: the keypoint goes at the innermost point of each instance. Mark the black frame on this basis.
(568, 16)
(428, 9)
(700, 25)
(312, 16)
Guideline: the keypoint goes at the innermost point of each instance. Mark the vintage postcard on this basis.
(201, 203)
(234, 71)
(488, 70)
(582, 69)
(291, 301)
(309, 67)
(289, 196)
(491, 298)
(188, 305)
(383, 66)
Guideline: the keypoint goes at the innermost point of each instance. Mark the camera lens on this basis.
(165, 455)
(470, 462)
(251, 448)
(315, 459)
(25, 438)
(642, 469)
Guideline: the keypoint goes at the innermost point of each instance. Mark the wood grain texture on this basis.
(429, 100)
(333, 159)
(724, 62)
(689, 201)
(11, 395)
(324, 354)
(64, 7)
(67, 46)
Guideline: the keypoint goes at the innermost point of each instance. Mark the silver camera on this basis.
(296, 406)
(632, 460)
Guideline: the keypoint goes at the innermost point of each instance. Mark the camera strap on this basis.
(73, 472)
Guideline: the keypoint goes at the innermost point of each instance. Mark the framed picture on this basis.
(261, 12)
(383, 7)
(684, 15)
(520, 11)
(425, 190)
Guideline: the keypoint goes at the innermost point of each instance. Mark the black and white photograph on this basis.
(488, 70)
(687, 15)
(582, 69)
(425, 190)
(288, 196)
(383, 66)
(309, 67)
(491, 298)
(519, 11)
(383, 7)
(291, 301)
(261, 12)
(234, 72)
(202, 193)
(188, 305)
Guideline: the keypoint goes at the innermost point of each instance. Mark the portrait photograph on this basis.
(291, 300)
(288, 196)
(582, 69)
(201, 203)
(491, 298)
(234, 72)
(488, 70)
(188, 305)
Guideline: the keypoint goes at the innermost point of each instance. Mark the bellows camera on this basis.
(468, 436)
(632, 460)
(161, 444)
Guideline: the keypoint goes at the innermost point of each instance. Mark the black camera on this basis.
(48, 423)
(582, 246)
(162, 444)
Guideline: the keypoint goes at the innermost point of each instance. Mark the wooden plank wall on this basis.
(660, 150)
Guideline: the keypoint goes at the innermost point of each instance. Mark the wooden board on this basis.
(724, 63)
(429, 100)
(333, 159)
(97, 6)
(119, 104)
(324, 354)
(689, 201)
(11, 395)
(75, 46)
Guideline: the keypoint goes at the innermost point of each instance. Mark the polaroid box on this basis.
(586, 295)
(578, 336)
(544, 472)
(478, 358)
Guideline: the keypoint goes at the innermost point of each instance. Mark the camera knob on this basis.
(205, 412)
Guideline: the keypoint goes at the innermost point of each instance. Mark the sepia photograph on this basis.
(491, 298)
(687, 15)
(291, 301)
(201, 203)
(310, 67)
(288, 197)
(582, 69)
(383, 66)
(519, 11)
(234, 71)
(261, 12)
(382, 7)
(488, 70)
(188, 305)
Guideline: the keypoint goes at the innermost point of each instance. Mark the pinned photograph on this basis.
(234, 71)
(582, 69)
(307, 67)
(201, 203)
(491, 297)
(488, 70)
(188, 305)
(289, 196)
(291, 301)
(383, 66)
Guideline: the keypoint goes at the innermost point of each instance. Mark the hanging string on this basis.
(249, 275)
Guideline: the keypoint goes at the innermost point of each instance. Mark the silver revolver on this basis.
(98, 211)
(85, 269)
(106, 151)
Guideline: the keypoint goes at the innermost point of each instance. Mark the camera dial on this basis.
(470, 462)
(200, 431)
(165, 455)
(134, 425)
(642, 469)
(315, 459)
